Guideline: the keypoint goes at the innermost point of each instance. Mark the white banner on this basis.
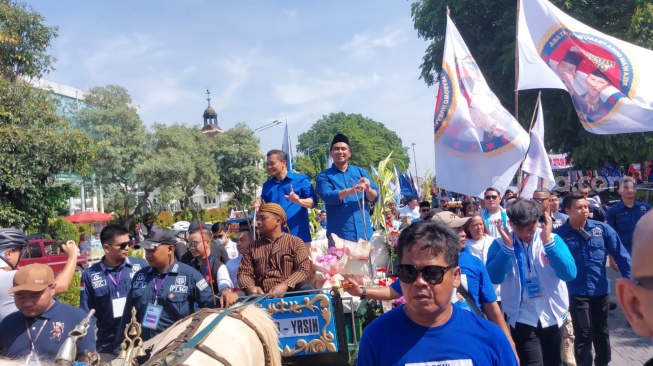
(610, 81)
(560, 161)
(536, 165)
(478, 143)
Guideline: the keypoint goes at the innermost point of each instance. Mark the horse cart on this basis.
(302, 328)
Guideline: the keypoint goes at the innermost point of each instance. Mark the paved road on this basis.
(627, 347)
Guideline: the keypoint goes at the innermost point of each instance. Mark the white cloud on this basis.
(136, 49)
(309, 90)
(364, 45)
(291, 14)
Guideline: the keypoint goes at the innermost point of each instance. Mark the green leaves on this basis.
(370, 141)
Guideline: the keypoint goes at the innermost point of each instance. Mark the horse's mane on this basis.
(268, 329)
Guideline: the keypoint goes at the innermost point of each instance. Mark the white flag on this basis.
(478, 143)
(610, 81)
(536, 167)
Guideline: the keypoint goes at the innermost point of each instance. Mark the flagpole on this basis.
(519, 172)
(517, 66)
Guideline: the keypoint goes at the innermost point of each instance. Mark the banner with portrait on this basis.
(610, 81)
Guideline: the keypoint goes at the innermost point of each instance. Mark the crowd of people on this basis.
(499, 280)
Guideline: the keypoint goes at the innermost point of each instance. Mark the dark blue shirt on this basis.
(99, 289)
(591, 255)
(345, 215)
(59, 320)
(180, 289)
(475, 278)
(276, 190)
(623, 220)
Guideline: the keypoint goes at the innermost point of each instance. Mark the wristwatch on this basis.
(364, 294)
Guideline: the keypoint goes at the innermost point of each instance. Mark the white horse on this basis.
(244, 337)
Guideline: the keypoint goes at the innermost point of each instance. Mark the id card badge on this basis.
(152, 316)
(533, 287)
(118, 306)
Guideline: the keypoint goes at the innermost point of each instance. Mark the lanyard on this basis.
(206, 269)
(116, 282)
(31, 342)
(526, 249)
(156, 288)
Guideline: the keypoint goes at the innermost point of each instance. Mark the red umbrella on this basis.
(88, 216)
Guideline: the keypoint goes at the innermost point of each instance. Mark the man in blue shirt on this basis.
(590, 242)
(292, 191)
(432, 331)
(346, 191)
(105, 285)
(164, 292)
(42, 323)
(624, 215)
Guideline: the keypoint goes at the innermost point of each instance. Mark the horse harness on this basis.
(168, 356)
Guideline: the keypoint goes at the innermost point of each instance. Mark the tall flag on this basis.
(536, 167)
(397, 187)
(610, 81)
(478, 143)
(286, 146)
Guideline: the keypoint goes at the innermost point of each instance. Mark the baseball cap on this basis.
(155, 237)
(33, 277)
(450, 219)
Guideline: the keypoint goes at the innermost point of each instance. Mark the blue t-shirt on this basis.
(345, 218)
(59, 320)
(623, 220)
(474, 277)
(465, 339)
(98, 292)
(276, 190)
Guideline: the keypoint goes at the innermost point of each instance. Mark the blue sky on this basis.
(261, 60)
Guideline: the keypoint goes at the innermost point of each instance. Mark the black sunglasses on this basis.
(540, 200)
(644, 282)
(123, 245)
(434, 275)
(491, 197)
(425, 210)
(194, 244)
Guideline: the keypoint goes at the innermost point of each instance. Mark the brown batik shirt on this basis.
(267, 263)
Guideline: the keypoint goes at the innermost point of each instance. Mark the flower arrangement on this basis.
(391, 240)
(328, 267)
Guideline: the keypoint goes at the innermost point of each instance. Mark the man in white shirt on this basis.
(493, 213)
(243, 240)
(411, 209)
(221, 237)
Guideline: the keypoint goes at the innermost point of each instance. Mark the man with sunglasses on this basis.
(424, 209)
(432, 330)
(204, 260)
(532, 266)
(493, 213)
(636, 296)
(104, 286)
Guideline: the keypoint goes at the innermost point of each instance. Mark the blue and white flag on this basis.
(397, 186)
(610, 81)
(286, 147)
(478, 143)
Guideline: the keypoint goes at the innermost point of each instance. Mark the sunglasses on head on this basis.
(491, 197)
(123, 245)
(434, 275)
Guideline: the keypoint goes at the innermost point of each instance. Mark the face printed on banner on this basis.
(595, 85)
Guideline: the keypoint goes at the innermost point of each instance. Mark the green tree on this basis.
(123, 152)
(305, 165)
(370, 141)
(489, 28)
(63, 230)
(24, 40)
(239, 160)
(182, 161)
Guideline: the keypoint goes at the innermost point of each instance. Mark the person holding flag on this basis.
(292, 191)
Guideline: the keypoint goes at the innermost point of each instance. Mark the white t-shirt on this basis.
(232, 268)
(480, 248)
(406, 211)
(495, 218)
(7, 305)
(232, 250)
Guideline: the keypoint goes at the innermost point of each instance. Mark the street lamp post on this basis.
(415, 161)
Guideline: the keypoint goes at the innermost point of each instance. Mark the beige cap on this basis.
(33, 277)
(449, 218)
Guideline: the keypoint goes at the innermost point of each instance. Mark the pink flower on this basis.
(340, 253)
